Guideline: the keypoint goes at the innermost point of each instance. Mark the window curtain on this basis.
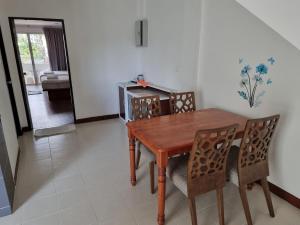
(56, 48)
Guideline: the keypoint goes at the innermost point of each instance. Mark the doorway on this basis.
(42, 58)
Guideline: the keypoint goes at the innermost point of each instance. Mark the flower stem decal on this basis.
(250, 84)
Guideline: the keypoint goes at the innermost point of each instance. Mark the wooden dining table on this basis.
(170, 135)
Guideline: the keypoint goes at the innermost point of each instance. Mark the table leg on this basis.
(162, 161)
(161, 195)
(132, 160)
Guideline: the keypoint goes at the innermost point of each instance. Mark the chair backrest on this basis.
(253, 155)
(145, 107)
(182, 102)
(208, 159)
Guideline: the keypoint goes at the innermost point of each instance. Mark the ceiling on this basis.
(282, 16)
(38, 23)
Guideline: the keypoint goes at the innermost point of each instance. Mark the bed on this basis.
(57, 84)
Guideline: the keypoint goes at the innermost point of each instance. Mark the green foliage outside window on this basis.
(38, 48)
(24, 48)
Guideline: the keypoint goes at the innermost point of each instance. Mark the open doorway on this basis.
(42, 58)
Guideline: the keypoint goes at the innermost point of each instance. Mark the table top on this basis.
(146, 92)
(175, 133)
(131, 84)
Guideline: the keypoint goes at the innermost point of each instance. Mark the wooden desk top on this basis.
(175, 133)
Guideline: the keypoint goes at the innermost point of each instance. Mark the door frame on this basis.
(20, 69)
(9, 86)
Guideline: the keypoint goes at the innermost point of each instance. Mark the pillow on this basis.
(48, 72)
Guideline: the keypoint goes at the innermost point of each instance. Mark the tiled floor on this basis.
(83, 179)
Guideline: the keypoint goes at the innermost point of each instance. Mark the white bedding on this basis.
(55, 80)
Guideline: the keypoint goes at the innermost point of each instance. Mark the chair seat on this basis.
(177, 168)
(147, 154)
(177, 172)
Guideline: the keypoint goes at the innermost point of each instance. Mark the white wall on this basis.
(229, 32)
(282, 16)
(100, 36)
(8, 121)
(11, 61)
(102, 50)
(171, 57)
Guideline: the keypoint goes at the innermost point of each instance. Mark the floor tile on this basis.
(36, 208)
(125, 220)
(68, 183)
(72, 198)
(52, 219)
(78, 215)
(82, 178)
(13, 219)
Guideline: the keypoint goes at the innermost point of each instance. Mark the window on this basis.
(39, 48)
(34, 56)
(24, 48)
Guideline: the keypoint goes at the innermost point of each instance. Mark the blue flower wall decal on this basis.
(271, 60)
(250, 83)
(262, 69)
(246, 69)
(243, 95)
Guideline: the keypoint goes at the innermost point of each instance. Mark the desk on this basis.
(169, 135)
(130, 90)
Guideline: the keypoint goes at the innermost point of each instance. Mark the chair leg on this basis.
(192, 205)
(265, 186)
(245, 204)
(138, 158)
(151, 168)
(220, 206)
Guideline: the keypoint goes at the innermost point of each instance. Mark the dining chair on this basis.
(146, 108)
(182, 102)
(204, 169)
(251, 159)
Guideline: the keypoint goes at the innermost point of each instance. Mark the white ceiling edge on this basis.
(282, 16)
(37, 23)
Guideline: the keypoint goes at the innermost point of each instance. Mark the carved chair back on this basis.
(182, 102)
(208, 159)
(253, 154)
(145, 107)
